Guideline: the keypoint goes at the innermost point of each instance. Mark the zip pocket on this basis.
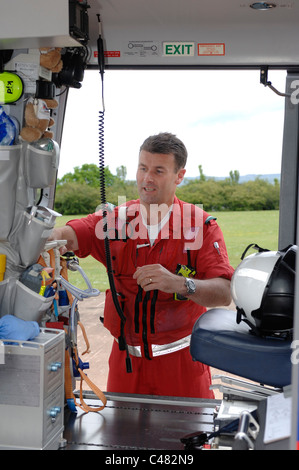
(41, 166)
(18, 300)
(29, 305)
(32, 232)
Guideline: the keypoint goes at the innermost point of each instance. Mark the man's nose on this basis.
(149, 177)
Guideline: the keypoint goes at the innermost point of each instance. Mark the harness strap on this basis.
(68, 385)
(64, 274)
(69, 395)
(85, 338)
(92, 386)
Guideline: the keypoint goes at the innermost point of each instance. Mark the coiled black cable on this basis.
(121, 340)
(102, 157)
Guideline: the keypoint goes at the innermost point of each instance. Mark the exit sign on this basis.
(178, 49)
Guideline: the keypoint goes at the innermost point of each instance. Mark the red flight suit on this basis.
(155, 319)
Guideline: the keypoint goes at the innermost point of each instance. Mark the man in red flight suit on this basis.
(169, 263)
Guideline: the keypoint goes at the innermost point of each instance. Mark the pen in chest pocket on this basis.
(216, 246)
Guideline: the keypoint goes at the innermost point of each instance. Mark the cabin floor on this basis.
(140, 422)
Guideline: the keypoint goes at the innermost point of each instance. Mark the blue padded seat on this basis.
(218, 341)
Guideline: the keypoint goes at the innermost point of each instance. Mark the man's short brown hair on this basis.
(167, 143)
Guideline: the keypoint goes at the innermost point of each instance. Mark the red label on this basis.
(112, 53)
(108, 53)
(210, 49)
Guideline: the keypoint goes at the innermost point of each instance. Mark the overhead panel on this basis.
(36, 23)
(187, 33)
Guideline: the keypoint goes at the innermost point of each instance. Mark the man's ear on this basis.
(181, 175)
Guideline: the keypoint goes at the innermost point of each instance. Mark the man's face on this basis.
(157, 178)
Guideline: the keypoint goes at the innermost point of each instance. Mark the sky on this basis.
(227, 119)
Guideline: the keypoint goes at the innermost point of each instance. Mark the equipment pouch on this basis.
(185, 271)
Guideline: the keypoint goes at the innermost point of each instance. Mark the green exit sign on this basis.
(178, 49)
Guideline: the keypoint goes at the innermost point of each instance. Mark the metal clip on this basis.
(247, 427)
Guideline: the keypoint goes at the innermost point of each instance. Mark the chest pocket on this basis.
(123, 257)
(174, 254)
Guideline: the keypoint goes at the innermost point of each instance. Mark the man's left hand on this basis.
(155, 276)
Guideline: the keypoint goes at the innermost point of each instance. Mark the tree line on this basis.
(80, 192)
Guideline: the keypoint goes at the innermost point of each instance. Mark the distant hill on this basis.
(243, 179)
(270, 177)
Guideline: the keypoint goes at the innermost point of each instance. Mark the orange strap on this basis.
(95, 389)
(69, 389)
(68, 385)
(64, 274)
(92, 386)
(85, 338)
(68, 379)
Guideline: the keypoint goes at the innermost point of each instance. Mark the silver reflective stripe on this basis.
(134, 350)
(161, 349)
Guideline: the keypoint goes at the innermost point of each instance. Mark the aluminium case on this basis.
(32, 392)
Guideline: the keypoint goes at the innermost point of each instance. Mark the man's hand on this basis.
(209, 292)
(155, 276)
(68, 234)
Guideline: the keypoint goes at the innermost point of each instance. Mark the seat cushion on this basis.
(218, 341)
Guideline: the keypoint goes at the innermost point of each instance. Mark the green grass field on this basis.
(239, 228)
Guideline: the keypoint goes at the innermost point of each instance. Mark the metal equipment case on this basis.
(32, 392)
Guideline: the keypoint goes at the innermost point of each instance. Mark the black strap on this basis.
(153, 310)
(144, 325)
(138, 299)
(256, 247)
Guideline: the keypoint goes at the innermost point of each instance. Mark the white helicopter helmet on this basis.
(262, 288)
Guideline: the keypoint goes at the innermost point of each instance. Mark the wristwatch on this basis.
(190, 285)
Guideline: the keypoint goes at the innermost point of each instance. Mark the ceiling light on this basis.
(262, 5)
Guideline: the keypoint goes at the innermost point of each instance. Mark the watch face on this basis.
(190, 284)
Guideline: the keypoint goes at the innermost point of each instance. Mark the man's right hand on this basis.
(68, 234)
